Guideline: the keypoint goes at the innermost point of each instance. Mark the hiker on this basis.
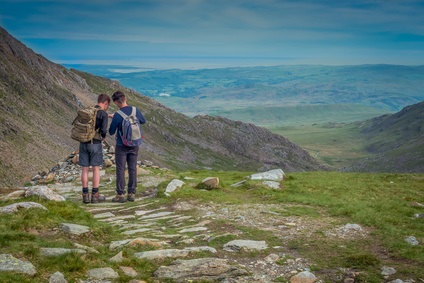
(91, 153)
(126, 153)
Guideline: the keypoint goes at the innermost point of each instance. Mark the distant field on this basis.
(337, 145)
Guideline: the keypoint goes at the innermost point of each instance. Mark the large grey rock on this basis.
(200, 270)
(43, 192)
(272, 175)
(10, 263)
(12, 208)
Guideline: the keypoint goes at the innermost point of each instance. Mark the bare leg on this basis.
(96, 176)
(84, 177)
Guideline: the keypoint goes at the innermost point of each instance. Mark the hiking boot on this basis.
(96, 198)
(85, 198)
(131, 197)
(119, 198)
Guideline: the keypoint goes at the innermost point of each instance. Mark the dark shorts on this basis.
(90, 154)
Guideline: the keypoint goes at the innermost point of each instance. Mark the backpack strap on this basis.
(123, 115)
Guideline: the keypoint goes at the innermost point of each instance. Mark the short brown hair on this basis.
(102, 98)
(118, 96)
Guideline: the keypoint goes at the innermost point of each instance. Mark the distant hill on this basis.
(217, 91)
(395, 142)
(39, 99)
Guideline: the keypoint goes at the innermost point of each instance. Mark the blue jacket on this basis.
(116, 125)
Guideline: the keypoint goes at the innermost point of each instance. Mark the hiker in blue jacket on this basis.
(124, 155)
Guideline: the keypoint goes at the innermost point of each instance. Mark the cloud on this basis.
(216, 27)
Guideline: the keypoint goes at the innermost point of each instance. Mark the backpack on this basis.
(131, 131)
(83, 126)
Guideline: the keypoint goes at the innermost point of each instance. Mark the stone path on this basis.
(178, 234)
(180, 238)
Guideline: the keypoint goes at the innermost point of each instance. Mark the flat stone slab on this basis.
(194, 229)
(132, 232)
(237, 245)
(104, 215)
(172, 253)
(59, 251)
(160, 254)
(200, 270)
(157, 215)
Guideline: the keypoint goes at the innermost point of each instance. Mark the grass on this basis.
(379, 203)
(336, 145)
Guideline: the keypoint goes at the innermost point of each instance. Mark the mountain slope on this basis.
(395, 142)
(39, 99)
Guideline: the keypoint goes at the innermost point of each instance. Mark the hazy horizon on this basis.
(326, 32)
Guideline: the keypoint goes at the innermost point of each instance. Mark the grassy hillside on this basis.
(388, 143)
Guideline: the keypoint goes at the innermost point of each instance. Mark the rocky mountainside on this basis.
(39, 99)
(395, 142)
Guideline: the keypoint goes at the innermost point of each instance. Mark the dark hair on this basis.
(103, 98)
(118, 96)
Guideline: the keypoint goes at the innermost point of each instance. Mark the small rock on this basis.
(211, 183)
(103, 273)
(387, 271)
(57, 277)
(117, 258)
(129, 271)
(412, 240)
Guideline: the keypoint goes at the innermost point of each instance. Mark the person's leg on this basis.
(83, 161)
(132, 172)
(96, 176)
(120, 161)
(84, 176)
(96, 160)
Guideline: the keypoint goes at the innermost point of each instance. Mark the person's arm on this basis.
(103, 127)
(140, 117)
(114, 124)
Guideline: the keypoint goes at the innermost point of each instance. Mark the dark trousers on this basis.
(126, 156)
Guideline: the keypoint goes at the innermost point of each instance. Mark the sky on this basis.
(195, 33)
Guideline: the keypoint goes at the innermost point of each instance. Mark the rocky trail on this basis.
(180, 238)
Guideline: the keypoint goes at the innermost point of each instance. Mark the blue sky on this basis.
(327, 32)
